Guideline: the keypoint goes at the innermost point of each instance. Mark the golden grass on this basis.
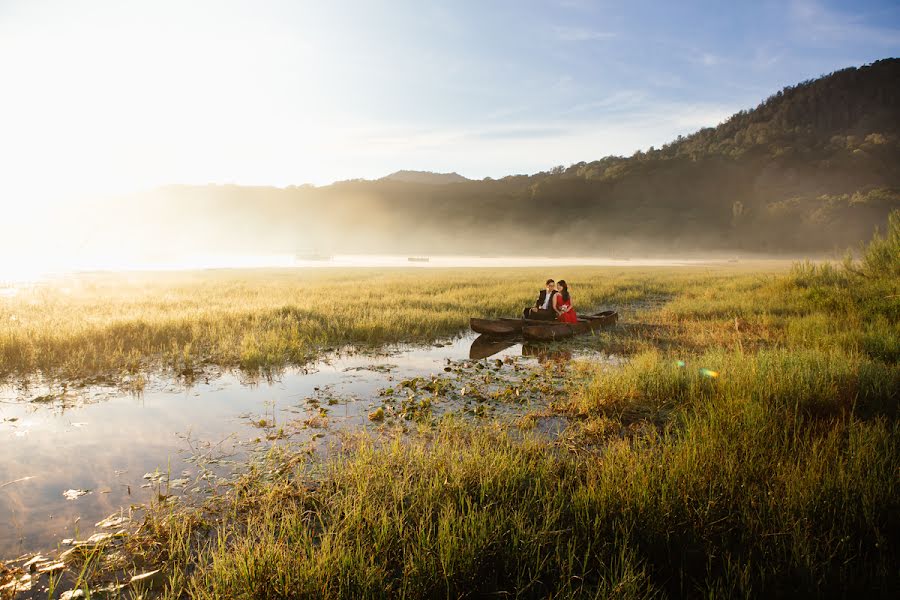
(771, 473)
(91, 326)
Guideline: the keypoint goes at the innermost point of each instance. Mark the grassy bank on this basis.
(731, 505)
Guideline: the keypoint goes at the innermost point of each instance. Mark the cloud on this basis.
(622, 100)
(766, 56)
(520, 133)
(582, 5)
(528, 145)
(822, 25)
(709, 59)
(580, 34)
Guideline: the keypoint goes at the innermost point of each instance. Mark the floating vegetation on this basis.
(380, 368)
(19, 480)
(75, 494)
(114, 520)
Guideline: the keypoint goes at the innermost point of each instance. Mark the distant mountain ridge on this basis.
(425, 177)
(813, 169)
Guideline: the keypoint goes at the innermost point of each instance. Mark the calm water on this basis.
(118, 445)
(19, 274)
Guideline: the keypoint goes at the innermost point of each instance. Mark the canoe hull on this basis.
(548, 332)
(502, 327)
(494, 326)
(605, 318)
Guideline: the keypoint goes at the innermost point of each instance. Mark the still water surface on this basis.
(122, 447)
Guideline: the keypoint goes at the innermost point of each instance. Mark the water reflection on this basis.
(545, 353)
(125, 449)
(106, 441)
(485, 346)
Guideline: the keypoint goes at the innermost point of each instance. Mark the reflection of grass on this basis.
(109, 325)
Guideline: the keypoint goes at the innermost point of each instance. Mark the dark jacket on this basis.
(543, 296)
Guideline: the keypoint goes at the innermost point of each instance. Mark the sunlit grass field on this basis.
(110, 325)
(748, 447)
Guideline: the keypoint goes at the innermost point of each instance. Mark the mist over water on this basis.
(23, 273)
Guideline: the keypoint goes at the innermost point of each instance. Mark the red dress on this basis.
(569, 316)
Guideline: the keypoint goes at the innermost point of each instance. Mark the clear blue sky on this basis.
(118, 95)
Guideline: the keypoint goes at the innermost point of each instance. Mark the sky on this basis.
(117, 96)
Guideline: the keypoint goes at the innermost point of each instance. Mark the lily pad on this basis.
(37, 558)
(50, 567)
(112, 521)
(157, 477)
(75, 494)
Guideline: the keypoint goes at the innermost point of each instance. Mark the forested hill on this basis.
(425, 177)
(814, 168)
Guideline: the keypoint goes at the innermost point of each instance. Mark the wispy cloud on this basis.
(823, 25)
(622, 100)
(581, 34)
(576, 4)
(520, 133)
(766, 56)
(708, 59)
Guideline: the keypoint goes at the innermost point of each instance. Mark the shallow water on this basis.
(123, 447)
(18, 274)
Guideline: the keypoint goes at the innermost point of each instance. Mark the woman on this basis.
(562, 304)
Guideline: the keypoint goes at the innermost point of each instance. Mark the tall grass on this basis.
(764, 463)
(729, 504)
(106, 325)
(749, 448)
(805, 382)
(778, 477)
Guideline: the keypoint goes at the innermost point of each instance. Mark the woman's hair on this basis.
(565, 289)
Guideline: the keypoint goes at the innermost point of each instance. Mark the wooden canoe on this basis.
(495, 326)
(546, 332)
(503, 326)
(605, 318)
(508, 326)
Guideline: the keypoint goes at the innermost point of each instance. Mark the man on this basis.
(543, 307)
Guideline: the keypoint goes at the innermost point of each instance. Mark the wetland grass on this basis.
(749, 447)
(115, 326)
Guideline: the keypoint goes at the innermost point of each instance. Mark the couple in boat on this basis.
(553, 304)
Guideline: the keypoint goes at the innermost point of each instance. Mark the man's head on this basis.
(551, 285)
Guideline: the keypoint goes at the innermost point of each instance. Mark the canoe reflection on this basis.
(484, 346)
(545, 353)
